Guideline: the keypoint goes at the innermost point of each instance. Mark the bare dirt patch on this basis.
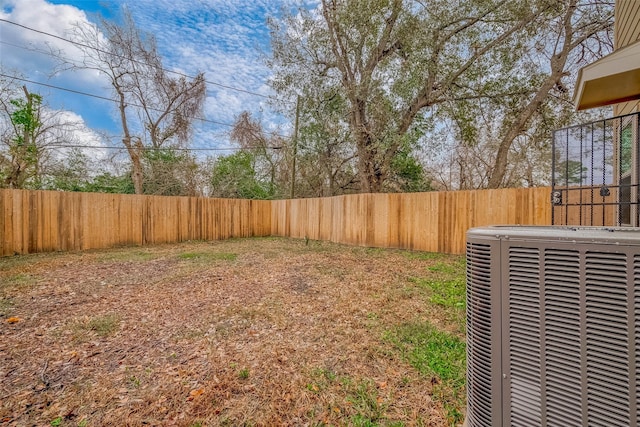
(240, 332)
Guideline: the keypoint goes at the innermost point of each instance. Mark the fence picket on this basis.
(37, 221)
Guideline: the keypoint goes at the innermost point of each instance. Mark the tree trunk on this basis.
(136, 166)
(557, 64)
(136, 149)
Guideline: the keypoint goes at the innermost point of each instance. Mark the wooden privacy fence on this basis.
(43, 221)
(434, 222)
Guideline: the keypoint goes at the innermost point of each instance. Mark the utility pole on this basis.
(295, 149)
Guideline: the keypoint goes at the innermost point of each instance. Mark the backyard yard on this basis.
(263, 331)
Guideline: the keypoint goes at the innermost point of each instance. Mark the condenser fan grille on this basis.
(479, 333)
(607, 339)
(524, 326)
(562, 331)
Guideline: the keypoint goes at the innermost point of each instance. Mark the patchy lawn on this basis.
(239, 332)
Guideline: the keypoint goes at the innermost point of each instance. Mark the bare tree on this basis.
(29, 132)
(154, 108)
(268, 149)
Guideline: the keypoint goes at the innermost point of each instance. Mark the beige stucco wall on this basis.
(626, 31)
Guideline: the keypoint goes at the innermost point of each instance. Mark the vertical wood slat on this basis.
(42, 221)
(36, 221)
(434, 222)
(6, 229)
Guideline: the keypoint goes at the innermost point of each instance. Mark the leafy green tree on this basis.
(109, 183)
(571, 172)
(32, 140)
(326, 156)
(404, 66)
(169, 172)
(71, 174)
(29, 131)
(78, 172)
(407, 174)
(21, 142)
(234, 176)
(575, 33)
(390, 60)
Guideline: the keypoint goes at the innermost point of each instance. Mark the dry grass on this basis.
(239, 332)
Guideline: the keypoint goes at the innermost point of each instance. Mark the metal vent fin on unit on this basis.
(607, 339)
(524, 325)
(563, 374)
(479, 332)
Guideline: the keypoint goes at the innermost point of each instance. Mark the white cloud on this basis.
(73, 131)
(31, 53)
(225, 39)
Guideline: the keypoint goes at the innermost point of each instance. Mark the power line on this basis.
(146, 148)
(92, 95)
(29, 49)
(76, 43)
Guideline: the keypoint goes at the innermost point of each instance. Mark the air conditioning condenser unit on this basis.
(553, 327)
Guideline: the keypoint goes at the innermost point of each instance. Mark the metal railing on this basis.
(596, 173)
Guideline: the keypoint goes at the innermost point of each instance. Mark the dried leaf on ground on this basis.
(281, 333)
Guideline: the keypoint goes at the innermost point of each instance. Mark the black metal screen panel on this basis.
(595, 173)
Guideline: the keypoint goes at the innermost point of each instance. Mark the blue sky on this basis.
(226, 39)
